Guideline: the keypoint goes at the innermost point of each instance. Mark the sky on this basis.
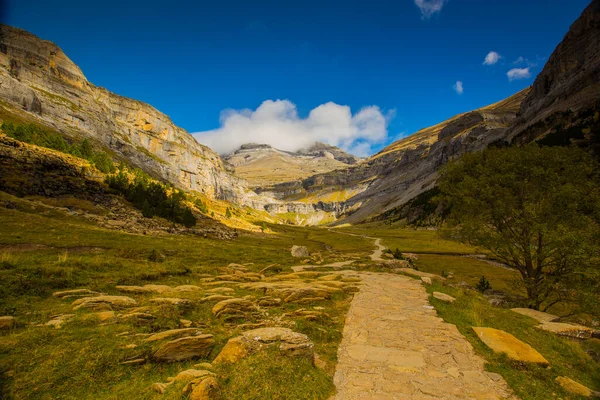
(359, 75)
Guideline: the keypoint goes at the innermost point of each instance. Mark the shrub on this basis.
(398, 254)
(151, 197)
(483, 285)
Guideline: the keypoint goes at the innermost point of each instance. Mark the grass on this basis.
(43, 250)
(410, 240)
(566, 357)
(470, 270)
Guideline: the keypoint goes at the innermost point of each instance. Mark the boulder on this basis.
(575, 387)
(185, 348)
(300, 251)
(158, 288)
(444, 297)
(100, 302)
(290, 343)
(419, 274)
(172, 334)
(503, 342)
(105, 316)
(537, 315)
(426, 280)
(570, 330)
(7, 322)
(233, 307)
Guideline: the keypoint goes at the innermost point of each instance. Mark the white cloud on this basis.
(277, 123)
(492, 58)
(518, 73)
(430, 7)
(525, 61)
(459, 88)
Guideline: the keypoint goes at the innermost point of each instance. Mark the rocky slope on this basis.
(39, 81)
(568, 88)
(404, 169)
(262, 165)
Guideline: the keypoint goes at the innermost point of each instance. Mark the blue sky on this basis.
(397, 61)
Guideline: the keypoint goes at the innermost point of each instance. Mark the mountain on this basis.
(38, 82)
(263, 165)
(565, 96)
(404, 169)
(320, 184)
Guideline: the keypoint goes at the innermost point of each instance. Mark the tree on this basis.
(535, 208)
(228, 213)
(188, 218)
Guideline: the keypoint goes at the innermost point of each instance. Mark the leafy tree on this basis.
(188, 218)
(537, 209)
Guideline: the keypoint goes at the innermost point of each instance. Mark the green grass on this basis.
(566, 357)
(412, 240)
(43, 250)
(470, 270)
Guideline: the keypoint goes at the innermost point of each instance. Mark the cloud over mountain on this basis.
(459, 88)
(276, 122)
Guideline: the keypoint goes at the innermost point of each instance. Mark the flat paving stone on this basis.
(395, 347)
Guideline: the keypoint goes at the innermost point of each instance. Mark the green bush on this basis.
(483, 285)
(151, 197)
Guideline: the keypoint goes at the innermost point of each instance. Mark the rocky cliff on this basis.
(39, 81)
(568, 88)
(263, 165)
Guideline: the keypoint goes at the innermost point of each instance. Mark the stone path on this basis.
(394, 346)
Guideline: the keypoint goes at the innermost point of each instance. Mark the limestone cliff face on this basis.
(37, 78)
(569, 82)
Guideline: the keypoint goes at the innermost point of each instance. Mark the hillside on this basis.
(38, 82)
(263, 165)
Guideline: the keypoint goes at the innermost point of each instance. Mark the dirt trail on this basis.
(395, 346)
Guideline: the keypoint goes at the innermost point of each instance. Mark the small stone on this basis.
(171, 300)
(300, 251)
(191, 374)
(215, 297)
(172, 334)
(570, 330)
(426, 280)
(105, 316)
(444, 297)
(537, 315)
(7, 322)
(133, 289)
(58, 321)
(575, 387)
(159, 387)
(136, 361)
(207, 389)
(185, 323)
(74, 292)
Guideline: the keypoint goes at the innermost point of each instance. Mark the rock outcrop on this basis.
(39, 82)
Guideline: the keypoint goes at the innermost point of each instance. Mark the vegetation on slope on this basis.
(152, 197)
(34, 134)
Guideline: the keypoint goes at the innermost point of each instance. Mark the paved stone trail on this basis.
(395, 346)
